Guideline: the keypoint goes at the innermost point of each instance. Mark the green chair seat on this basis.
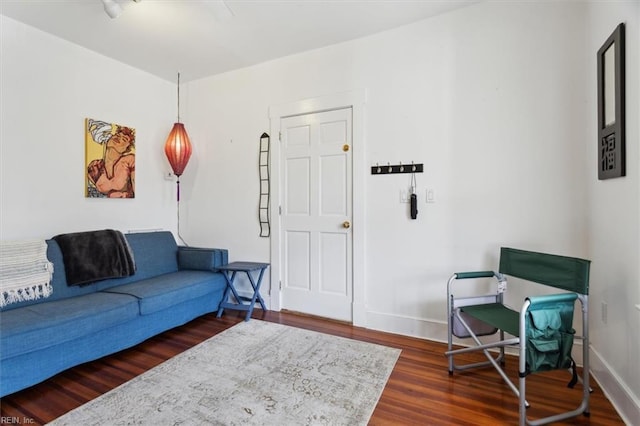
(496, 315)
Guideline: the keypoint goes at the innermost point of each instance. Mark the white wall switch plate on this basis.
(431, 195)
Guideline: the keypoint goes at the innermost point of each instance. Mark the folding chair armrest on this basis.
(550, 298)
(501, 280)
(476, 274)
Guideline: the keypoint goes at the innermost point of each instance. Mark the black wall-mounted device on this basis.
(414, 206)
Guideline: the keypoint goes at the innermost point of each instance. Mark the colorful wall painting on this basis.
(110, 160)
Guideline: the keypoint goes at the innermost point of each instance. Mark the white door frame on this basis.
(356, 101)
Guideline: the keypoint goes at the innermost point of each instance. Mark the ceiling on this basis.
(200, 38)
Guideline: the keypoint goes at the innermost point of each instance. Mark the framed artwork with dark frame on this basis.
(611, 138)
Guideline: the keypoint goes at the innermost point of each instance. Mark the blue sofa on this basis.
(171, 286)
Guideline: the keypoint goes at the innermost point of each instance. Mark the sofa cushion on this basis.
(154, 253)
(46, 324)
(162, 292)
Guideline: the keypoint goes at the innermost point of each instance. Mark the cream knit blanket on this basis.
(25, 271)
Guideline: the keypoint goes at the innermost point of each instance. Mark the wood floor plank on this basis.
(420, 390)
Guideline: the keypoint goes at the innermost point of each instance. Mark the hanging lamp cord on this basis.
(178, 215)
(178, 180)
(178, 97)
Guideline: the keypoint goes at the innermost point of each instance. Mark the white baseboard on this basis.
(624, 401)
(407, 326)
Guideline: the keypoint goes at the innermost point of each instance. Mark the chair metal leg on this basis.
(483, 348)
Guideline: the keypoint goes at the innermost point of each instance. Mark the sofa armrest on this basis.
(202, 259)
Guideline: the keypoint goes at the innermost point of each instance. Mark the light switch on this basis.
(431, 195)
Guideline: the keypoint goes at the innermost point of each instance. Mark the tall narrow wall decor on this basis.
(264, 214)
(611, 106)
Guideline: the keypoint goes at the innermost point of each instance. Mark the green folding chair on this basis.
(543, 328)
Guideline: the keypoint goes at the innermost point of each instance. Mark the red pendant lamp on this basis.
(178, 146)
(178, 150)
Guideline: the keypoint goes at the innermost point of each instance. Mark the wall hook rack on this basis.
(396, 168)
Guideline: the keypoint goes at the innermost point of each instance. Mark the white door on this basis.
(316, 237)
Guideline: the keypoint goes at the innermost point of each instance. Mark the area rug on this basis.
(254, 373)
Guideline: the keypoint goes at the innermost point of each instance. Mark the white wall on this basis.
(496, 101)
(614, 224)
(490, 98)
(49, 86)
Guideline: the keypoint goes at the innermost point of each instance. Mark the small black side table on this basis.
(229, 271)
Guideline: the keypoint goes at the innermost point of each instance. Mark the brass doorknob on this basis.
(346, 224)
(345, 147)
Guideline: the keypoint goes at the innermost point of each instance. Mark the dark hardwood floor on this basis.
(419, 391)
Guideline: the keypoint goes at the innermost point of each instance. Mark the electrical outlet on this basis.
(604, 312)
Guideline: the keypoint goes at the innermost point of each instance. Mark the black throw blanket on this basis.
(95, 255)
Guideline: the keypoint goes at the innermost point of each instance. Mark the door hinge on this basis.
(280, 136)
(280, 285)
(280, 210)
